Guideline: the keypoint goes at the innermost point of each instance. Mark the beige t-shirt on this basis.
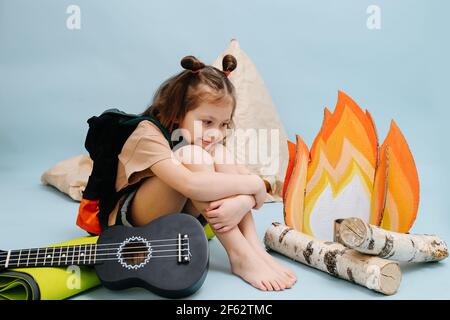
(144, 147)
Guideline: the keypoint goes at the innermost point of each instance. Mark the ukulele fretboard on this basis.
(85, 254)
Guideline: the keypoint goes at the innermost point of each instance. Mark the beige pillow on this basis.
(70, 176)
(255, 110)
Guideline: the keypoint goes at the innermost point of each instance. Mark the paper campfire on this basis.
(346, 174)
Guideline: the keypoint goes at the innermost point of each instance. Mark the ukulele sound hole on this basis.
(134, 253)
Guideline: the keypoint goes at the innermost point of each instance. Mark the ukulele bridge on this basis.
(184, 252)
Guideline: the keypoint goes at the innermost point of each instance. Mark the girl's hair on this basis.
(185, 91)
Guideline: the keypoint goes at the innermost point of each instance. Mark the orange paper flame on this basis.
(342, 176)
(396, 197)
(295, 191)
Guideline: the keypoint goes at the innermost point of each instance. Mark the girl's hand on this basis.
(224, 214)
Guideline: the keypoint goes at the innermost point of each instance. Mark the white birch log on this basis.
(354, 233)
(372, 272)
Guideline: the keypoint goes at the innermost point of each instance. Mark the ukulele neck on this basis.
(129, 252)
(84, 254)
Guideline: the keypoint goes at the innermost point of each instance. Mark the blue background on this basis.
(53, 79)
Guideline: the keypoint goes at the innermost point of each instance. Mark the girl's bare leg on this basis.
(248, 229)
(154, 198)
(245, 262)
(247, 224)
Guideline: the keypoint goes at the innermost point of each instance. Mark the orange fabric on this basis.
(88, 216)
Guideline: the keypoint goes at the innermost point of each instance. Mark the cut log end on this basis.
(352, 232)
(390, 279)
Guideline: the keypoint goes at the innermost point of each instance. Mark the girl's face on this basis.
(206, 125)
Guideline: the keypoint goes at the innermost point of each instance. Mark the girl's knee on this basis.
(224, 160)
(221, 155)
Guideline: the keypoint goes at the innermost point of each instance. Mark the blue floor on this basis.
(46, 216)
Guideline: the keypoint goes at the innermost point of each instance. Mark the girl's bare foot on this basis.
(288, 273)
(251, 267)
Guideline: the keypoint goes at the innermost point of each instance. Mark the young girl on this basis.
(168, 181)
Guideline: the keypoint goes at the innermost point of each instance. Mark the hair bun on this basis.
(192, 63)
(229, 63)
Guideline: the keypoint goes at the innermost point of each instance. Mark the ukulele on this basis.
(169, 256)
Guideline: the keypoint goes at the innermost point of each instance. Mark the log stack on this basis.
(362, 254)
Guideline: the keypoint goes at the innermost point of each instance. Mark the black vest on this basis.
(104, 141)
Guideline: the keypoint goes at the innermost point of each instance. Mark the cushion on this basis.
(256, 110)
(70, 176)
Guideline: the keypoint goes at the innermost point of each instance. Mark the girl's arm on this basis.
(207, 185)
(223, 155)
(244, 170)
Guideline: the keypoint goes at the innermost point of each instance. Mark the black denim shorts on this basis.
(124, 209)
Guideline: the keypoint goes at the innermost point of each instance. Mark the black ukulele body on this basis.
(169, 256)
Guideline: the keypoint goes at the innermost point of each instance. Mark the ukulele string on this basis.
(97, 245)
(74, 257)
(157, 246)
(31, 254)
(139, 257)
(115, 258)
